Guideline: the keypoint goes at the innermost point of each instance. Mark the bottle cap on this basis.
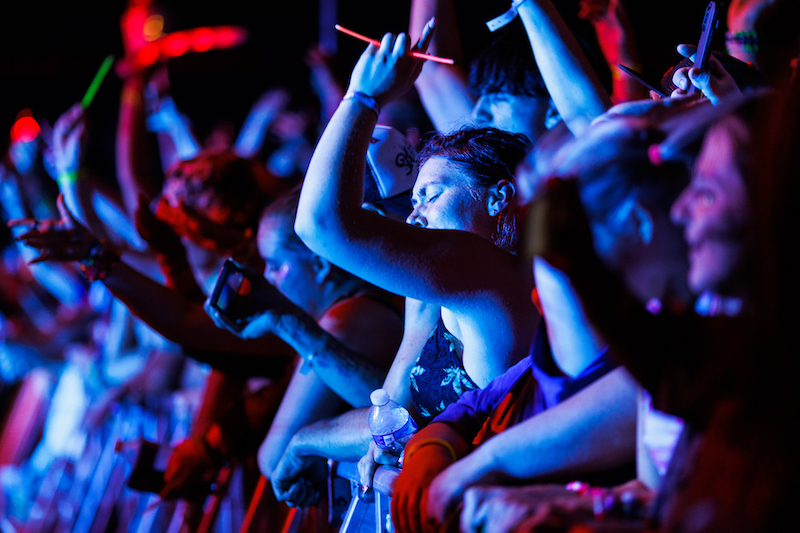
(379, 397)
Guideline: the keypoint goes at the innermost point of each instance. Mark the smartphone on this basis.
(231, 285)
(655, 87)
(710, 24)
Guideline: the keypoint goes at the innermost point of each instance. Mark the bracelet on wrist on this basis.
(99, 261)
(365, 99)
(747, 39)
(503, 20)
(66, 178)
(430, 442)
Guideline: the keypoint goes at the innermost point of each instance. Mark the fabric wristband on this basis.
(502, 20)
(68, 177)
(365, 99)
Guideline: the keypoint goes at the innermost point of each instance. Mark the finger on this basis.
(401, 45)
(469, 517)
(66, 216)
(427, 35)
(44, 256)
(22, 222)
(387, 457)
(687, 50)
(386, 44)
(366, 470)
(702, 79)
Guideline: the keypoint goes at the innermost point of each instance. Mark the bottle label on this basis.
(389, 440)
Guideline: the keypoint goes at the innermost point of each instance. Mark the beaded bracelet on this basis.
(99, 261)
(365, 99)
(748, 39)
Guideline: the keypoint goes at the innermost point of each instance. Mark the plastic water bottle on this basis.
(389, 422)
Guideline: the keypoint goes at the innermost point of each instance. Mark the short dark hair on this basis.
(487, 155)
(507, 66)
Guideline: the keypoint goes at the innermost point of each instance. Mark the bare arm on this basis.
(180, 320)
(132, 170)
(574, 87)
(447, 268)
(593, 430)
(442, 89)
(353, 363)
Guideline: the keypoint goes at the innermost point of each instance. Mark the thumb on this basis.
(66, 215)
(703, 80)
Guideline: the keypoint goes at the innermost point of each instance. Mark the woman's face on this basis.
(444, 198)
(713, 210)
(288, 268)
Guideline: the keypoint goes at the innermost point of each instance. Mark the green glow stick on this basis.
(98, 79)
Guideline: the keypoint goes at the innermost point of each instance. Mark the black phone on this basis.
(231, 285)
(714, 12)
(655, 87)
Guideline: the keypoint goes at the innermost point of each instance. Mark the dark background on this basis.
(49, 52)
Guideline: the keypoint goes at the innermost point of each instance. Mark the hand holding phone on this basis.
(241, 295)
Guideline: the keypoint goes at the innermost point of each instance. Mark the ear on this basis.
(642, 221)
(322, 268)
(500, 195)
(552, 117)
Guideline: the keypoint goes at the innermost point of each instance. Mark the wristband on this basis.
(99, 261)
(429, 442)
(502, 20)
(66, 178)
(748, 39)
(365, 99)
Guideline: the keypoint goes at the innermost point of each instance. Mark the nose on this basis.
(270, 273)
(416, 219)
(679, 212)
(481, 114)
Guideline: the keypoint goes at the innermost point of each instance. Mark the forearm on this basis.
(130, 156)
(574, 87)
(344, 438)
(180, 320)
(594, 430)
(351, 375)
(333, 188)
(440, 435)
(442, 89)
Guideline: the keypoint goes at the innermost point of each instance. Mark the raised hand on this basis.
(257, 308)
(68, 138)
(57, 240)
(387, 71)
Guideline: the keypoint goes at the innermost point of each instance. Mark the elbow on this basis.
(307, 229)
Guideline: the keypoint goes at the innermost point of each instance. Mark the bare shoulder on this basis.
(367, 324)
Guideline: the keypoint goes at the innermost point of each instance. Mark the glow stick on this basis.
(419, 55)
(98, 79)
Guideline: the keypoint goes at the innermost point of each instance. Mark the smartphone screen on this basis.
(231, 284)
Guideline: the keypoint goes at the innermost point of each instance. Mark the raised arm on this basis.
(442, 267)
(443, 89)
(574, 87)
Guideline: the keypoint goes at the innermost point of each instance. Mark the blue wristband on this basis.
(365, 99)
